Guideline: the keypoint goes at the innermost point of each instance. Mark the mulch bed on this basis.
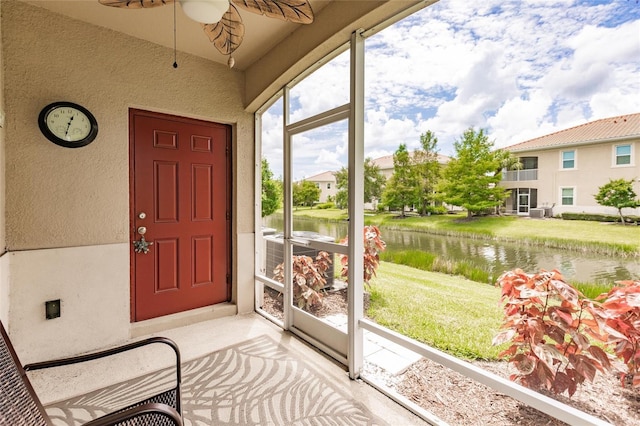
(459, 400)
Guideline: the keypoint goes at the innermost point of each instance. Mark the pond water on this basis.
(493, 256)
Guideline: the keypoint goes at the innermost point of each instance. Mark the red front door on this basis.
(180, 187)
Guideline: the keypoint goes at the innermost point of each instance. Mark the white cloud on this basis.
(520, 119)
(517, 69)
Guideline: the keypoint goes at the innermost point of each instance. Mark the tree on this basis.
(470, 179)
(617, 193)
(271, 190)
(305, 193)
(508, 161)
(402, 187)
(342, 185)
(374, 182)
(427, 169)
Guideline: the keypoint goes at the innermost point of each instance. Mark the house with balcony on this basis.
(561, 172)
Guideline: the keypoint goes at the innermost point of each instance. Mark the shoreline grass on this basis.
(426, 261)
(579, 236)
(430, 262)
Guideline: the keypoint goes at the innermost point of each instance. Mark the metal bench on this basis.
(19, 404)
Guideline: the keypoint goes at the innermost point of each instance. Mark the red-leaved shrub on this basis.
(308, 278)
(550, 326)
(620, 316)
(373, 245)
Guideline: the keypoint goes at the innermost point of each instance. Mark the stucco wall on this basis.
(4, 290)
(92, 285)
(70, 198)
(62, 197)
(2, 155)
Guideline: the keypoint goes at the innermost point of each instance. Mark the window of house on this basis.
(329, 185)
(622, 155)
(568, 159)
(567, 196)
(529, 163)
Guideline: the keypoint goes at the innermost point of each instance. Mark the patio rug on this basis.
(256, 382)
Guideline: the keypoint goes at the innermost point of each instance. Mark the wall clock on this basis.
(67, 124)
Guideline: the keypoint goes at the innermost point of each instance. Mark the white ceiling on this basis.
(157, 25)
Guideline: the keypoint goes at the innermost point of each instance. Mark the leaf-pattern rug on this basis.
(256, 382)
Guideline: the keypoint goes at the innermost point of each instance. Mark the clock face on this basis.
(68, 124)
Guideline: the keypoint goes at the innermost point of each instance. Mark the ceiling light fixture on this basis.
(225, 34)
(205, 11)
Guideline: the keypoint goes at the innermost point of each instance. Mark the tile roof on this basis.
(606, 129)
(322, 177)
(386, 162)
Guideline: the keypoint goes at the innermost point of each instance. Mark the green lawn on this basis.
(610, 239)
(452, 314)
(326, 214)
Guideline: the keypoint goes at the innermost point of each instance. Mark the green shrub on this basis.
(437, 210)
(324, 206)
(598, 217)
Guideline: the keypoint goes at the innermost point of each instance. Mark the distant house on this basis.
(386, 163)
(386, 168)
(326, 181)
(563, 171)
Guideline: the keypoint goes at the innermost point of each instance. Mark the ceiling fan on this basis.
(221, 19)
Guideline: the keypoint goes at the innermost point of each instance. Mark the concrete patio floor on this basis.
(199, 339)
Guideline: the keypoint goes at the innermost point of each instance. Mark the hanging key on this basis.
(142, 246)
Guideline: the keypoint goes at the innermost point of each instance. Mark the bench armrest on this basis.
(108, 352)
(113, 351)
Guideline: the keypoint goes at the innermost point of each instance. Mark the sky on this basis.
(516, 69)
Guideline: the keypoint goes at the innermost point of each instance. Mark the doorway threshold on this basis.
(182, 319)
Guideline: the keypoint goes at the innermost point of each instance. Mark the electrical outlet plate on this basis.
(52, 309)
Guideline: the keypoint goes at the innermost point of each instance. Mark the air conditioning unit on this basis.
(275, 252)
(536, 213)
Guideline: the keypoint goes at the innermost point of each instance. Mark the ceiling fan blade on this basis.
(135, 4)
(298, 11)
(226, 35)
